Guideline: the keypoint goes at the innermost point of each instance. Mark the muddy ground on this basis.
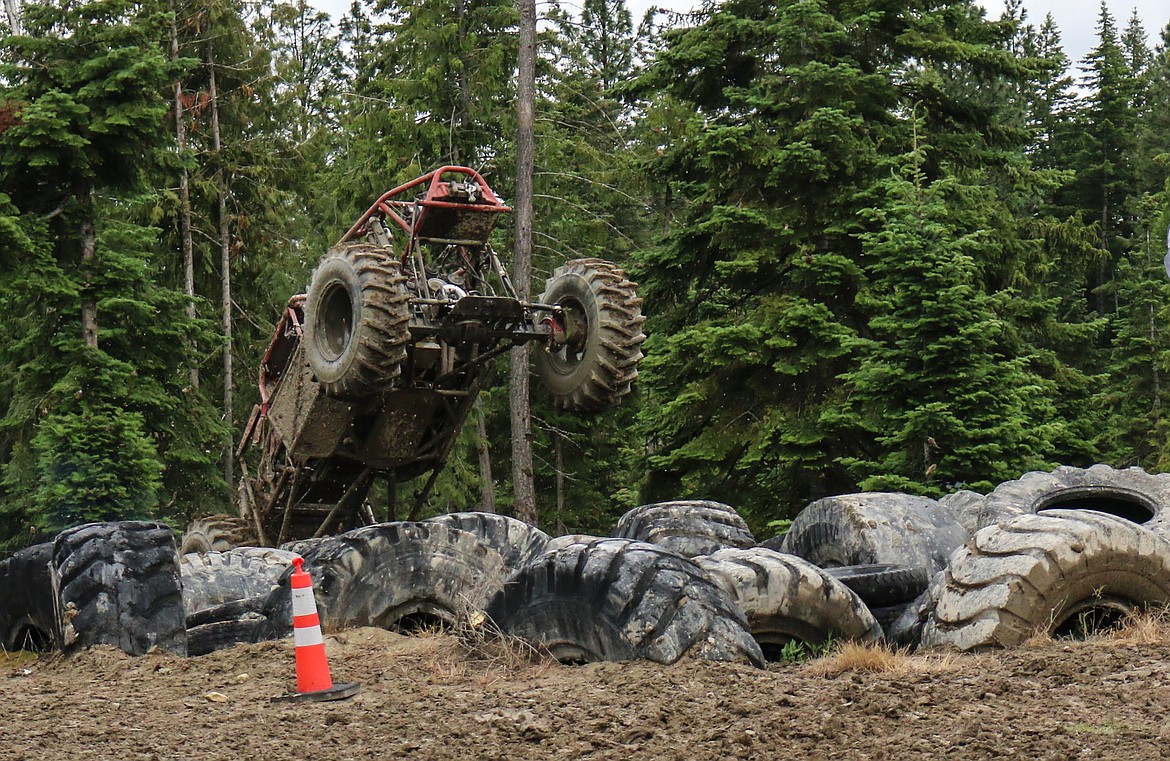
(429, 697)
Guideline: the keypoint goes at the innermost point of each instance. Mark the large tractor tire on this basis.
(216, 533)
(617, 600)
(688, 527)
(1061, 572)
(519, 543)
(226, 625)
(28, 618)
(118, 584)
(598, 361)
(356, 319)
(787, 599)
(882, 585)
(395, 575)
(875, 527)
(560, 542)
(966, 506)
(1131, 494)
(214, 578)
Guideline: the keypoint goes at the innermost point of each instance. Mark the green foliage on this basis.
(795, 651)
(945, 406)
(86, 77)
(881, 247)
(95, 460)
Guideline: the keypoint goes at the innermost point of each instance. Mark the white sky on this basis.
(1077, 19)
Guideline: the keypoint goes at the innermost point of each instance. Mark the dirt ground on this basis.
(429, 697)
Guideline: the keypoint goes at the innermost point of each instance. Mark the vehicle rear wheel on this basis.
(356, 317)
(595, 365)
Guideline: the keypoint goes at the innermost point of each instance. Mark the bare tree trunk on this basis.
(12, 9)
(558, 449)
(487, 486)
(523, 487)
(184, 200)
(225, 250)
(89, 326)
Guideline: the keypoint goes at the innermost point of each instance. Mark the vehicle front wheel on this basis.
(597, 345)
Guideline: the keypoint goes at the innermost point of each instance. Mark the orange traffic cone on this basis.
(313, 680)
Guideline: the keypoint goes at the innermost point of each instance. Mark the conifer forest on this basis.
(881, 246)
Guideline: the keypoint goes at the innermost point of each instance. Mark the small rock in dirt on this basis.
(217, 697)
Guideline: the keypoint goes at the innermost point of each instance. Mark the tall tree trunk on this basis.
(12, 9)
(225, 250)
(523, 487)
(460, 120)
(559, 452)
(89, 325)
(487, 486)
(184, 200)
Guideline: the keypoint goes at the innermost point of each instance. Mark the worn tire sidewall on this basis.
(334, 272)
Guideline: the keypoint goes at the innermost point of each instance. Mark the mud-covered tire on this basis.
(233, 623)
(773, 543)
(516, 541)
(688, 527)
(881, 585)
(28, 619)
(221, 635)
(303, 546)
(559, 542)
(1131, 494)
(214, 578)
(787, 599)
(903, 624)
(216, 533)
(1046, 573)
(596, 365)
(356, 316)
(394, 575)
(875, 527)
(618, 599)
(118, 584)
(965, 505)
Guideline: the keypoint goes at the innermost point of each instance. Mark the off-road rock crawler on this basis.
(372, 372)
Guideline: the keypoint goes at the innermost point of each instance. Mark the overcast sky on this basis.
(1077, 19)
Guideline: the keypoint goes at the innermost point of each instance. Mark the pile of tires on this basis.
(1063, 553)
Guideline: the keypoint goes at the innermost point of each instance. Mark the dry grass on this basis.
(881, 658)
(1141, 627)
(491, 649)
(1040, 637)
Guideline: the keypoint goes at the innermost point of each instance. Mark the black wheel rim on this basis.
(336, 321)
(568, 356)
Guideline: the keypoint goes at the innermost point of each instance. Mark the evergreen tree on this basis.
(754, 294)
(94, 416)
(935, 387)
(432, 85)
